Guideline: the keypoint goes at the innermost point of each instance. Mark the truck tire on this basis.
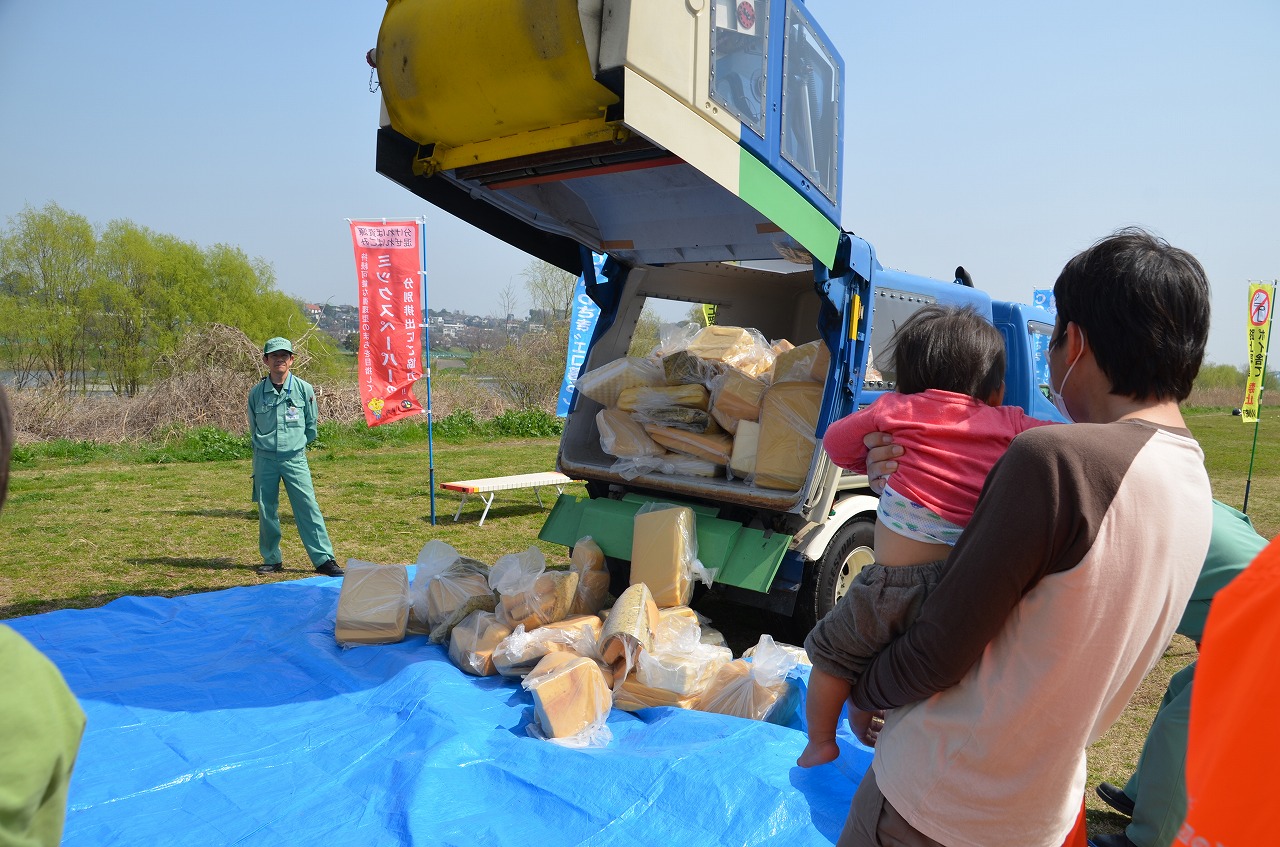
(827, 580)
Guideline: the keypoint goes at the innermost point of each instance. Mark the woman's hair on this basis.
(953, 349)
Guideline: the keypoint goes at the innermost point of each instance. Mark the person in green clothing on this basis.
(41, 723)
(1156, 795)
(282, 422)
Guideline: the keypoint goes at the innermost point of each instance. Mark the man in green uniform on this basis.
(41, 723)
(282, 422)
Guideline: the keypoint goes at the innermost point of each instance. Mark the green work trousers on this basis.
(1158, 787)
(269, 470)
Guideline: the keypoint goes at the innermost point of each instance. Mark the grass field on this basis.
(80, 530)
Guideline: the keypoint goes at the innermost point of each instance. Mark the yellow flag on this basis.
(709, 313)
(1261, 300)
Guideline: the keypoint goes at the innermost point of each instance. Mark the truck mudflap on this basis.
(740, 556)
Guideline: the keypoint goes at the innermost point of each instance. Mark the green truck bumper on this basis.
(743, 557)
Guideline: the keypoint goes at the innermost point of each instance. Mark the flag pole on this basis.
(426, 358)
(1257, 420)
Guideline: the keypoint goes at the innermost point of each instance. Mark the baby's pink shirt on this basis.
(950, 441)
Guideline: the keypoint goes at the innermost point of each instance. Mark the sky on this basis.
(1002, 136)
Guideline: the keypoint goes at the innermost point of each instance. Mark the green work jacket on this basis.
(1232, 546)
(284, 421)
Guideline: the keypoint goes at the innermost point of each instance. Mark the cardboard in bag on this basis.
(738, 396)
(472, 642)
(706, 446)
(662, 554)
(806, 363)
(787, 441)
(641, 398)
(373, 607)
(520, 651)
(569, 694)
(622, 436)
(746, 442)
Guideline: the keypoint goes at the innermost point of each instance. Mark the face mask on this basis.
(1055, 394)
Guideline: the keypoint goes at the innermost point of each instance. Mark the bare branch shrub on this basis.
(206, 382)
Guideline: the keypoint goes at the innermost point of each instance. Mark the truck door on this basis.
(1027, 331)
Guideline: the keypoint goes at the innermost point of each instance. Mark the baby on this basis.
(946, 413)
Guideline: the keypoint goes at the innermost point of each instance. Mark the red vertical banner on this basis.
(389, 273)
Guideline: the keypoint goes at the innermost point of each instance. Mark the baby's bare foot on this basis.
(818, 753)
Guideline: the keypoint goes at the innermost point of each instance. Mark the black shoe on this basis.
(276, 568)
(1116, 799)
(329, 568)
(1119, 839)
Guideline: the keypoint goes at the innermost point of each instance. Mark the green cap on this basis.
(277, 343)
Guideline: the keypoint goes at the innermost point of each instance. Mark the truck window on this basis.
(739, 57)
(810, 102)
(1041, 334)
(892, 308)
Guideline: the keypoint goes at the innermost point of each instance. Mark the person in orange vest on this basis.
(1233, 743)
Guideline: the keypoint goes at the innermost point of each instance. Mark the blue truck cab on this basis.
(697, 144)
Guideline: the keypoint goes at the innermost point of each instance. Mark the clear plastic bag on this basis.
(746, 444)
(628, 629)
(606, 382)
(644, 398)
(736, 397)
(664, 553)
(745, 350)
(433, 558)
(571, 701)
(760, 689)
(457, 579)
(373, 607)
(674, 337)
(679, 661)
(684, 368)
(678, 417)
(709, 447)
(592, 593)
(806, 363)
(529, 594)
(624, 437)
(788, 418)
(473, 640)
(798, 653)
(672, 464)
(522, 649)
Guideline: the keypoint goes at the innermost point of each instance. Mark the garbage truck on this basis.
(696, 144)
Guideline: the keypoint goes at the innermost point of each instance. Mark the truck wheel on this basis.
(830, 577)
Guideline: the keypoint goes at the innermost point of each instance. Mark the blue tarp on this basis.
(234, 718)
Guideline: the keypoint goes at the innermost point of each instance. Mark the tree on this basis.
(508, 303)
(1220, 376)
(645, 336)
(47, 259)
(550, 290)
(73, 303)
(133, 319)
(528, 370)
